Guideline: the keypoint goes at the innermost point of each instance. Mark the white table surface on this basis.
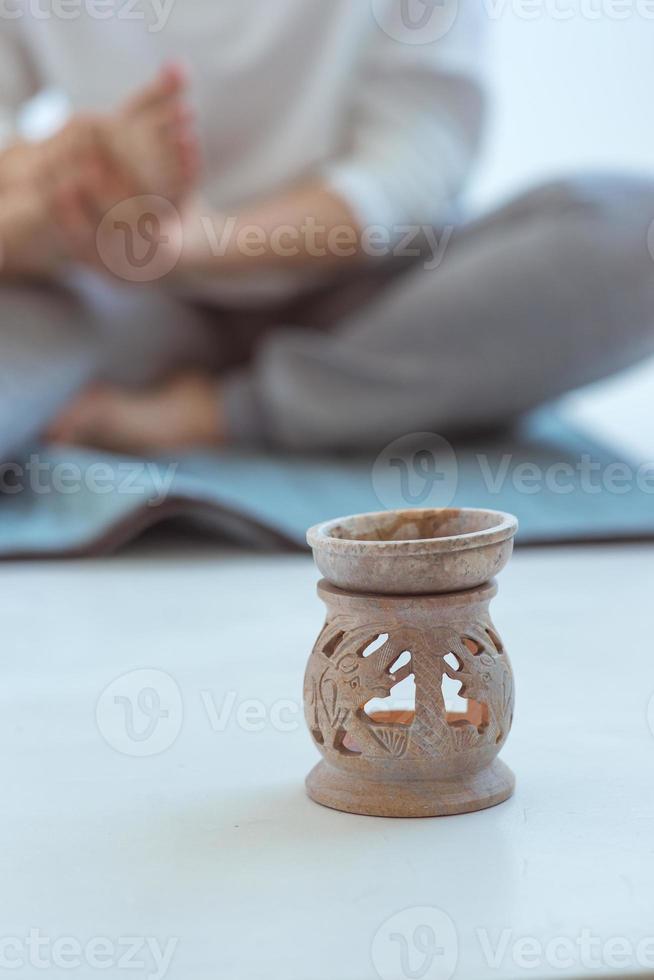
(211, 842)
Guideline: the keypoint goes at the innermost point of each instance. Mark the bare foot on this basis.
(152, 137)
(181, 415)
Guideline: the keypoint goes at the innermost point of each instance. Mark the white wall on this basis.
(575, 95)
(567, 95)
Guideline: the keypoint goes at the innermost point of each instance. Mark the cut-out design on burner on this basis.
(371, 691)
(356, 669)
(345, 744)
(331, 642)
(399, 707)
(460, 710)
(375, 645)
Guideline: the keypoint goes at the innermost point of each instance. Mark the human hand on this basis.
(30, 243)
(45, 218)
(35, 179)
(127, 218)
(62, 187)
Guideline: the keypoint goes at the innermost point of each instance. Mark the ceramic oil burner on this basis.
(407, 596)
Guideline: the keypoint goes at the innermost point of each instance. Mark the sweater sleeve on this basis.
(417, 113)
(415, 124)
(19, 79)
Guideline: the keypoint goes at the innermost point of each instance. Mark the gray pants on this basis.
(550, 292)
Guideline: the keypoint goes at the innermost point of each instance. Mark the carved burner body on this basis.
(418, 758)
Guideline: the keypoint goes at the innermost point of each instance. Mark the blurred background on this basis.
(569, 84)
(571, 94)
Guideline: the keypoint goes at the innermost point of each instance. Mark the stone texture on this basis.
(414, 551)
(417, 759)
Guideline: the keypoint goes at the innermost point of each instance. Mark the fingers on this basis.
(168, 84)
(173, 79)
(188, 149)
(103, 188)
(73, 222)
(175, 128)
(79, 149)
(169, 121)
(76, 182)
(95, 162)
(79, 205)
(81, 137)
(184, 143)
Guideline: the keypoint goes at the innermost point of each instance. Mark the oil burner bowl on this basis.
(407, 596)
(414, 552)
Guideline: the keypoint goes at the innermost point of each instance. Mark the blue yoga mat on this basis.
(561, 485)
